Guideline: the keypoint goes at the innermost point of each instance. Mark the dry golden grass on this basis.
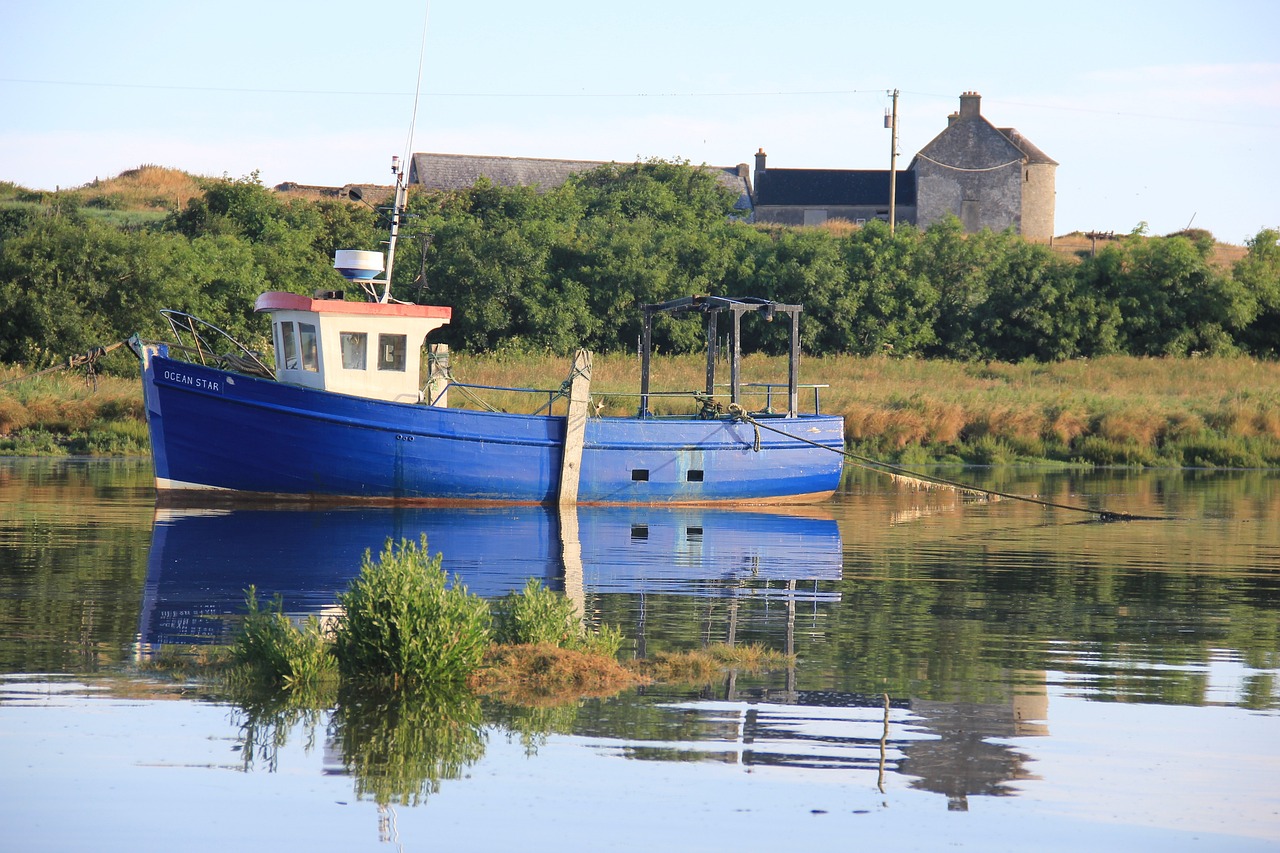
(1076, 246)
(900, 403)
(889, 405)
(704, 666)
(544, 674)
(147, 187)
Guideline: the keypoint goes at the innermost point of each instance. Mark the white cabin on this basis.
(366, 349)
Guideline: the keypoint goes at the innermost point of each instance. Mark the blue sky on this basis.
(1166, 113)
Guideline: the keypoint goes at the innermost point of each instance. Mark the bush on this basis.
(537, 614)
(280, 651)
(404, 622)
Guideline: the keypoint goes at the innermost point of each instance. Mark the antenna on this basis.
(362, 267)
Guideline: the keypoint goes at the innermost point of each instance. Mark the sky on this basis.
(1163, 113)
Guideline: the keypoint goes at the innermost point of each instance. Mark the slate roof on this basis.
(460, 171)
(1033, 154)
(832, 187)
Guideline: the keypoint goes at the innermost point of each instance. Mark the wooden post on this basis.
(893, 167)
(711, 353)
(735, 355)
(575, 427)
(793, 367)
(645, 344)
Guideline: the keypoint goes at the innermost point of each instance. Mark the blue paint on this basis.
(214, 430)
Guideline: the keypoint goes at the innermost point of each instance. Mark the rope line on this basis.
(903, 475)
(89, 358)
(959, 169)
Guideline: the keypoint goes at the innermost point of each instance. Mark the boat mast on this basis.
(397, 210)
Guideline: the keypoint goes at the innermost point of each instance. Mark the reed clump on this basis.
(404, 625)
(538, 616)
(404, 622)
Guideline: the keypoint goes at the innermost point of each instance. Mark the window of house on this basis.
(391, 352)
(354, 350)
(310, 347)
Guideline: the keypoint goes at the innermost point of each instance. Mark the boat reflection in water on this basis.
(202, 561)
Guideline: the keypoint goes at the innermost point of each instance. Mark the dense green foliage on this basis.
(530, 271)
(537, 614)
(403, 622)
(279, 651)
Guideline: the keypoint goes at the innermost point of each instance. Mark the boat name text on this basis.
(193, 381)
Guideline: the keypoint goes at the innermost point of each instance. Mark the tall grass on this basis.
(1116, 410)
(404, 626)
(403, 622)
(1109, 411)
(280, 652)
(537, 615)
(64, 412)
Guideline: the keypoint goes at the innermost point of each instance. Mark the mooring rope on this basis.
(917, 480)
(89, 358)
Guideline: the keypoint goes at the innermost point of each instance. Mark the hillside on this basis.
(1077, 245)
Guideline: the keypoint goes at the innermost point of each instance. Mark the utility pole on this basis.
(891, 122)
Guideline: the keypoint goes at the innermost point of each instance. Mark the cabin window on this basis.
(640, 475)
(694, 476)
(310, 351)
(354, 347)
(288, 347)
(391, 350)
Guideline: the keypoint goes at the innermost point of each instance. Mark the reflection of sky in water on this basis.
(807, 780)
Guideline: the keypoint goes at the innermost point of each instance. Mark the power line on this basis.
(879, 92)
(356, 93)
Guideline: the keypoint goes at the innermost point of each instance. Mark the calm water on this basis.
(989, 676)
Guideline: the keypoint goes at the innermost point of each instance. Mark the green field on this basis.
(1202, 412)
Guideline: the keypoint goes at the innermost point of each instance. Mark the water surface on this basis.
(994, 676)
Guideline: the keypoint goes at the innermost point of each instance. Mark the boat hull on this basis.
(218, 435)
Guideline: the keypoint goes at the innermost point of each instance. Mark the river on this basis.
(973, 674)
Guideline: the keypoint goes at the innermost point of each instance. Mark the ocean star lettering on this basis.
(194, 381)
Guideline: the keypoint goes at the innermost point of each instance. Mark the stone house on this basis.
(989, 177)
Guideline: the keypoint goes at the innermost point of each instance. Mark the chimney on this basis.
(970, 105)
(760, 156)
(951, 119)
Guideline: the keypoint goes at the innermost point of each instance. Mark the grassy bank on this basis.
(1207, 412)
(1204, 412)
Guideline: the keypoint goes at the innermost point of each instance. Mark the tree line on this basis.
(531, 271)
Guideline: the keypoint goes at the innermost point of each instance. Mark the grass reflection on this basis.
(399, 745)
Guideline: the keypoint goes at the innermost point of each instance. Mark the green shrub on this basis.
(987, 450)
(278, 650)
(404, 622)
(537, 614)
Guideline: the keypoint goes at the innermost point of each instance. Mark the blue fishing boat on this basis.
(344, 415)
